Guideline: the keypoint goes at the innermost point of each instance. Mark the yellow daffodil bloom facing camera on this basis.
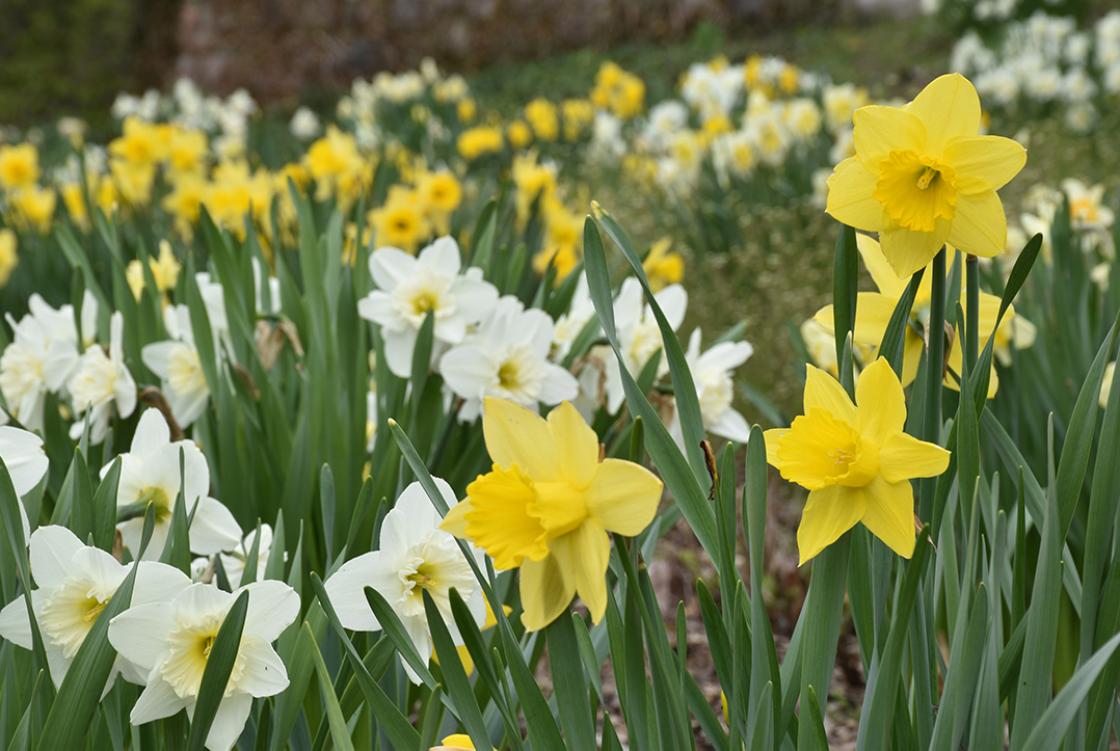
(854, 460)
(548, 505)
(922, 176)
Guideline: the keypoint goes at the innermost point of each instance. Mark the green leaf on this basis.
(465, 705)
(340, 735)
(570, 683)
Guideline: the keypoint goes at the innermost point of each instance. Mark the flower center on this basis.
(190, 646)
(915, 190)
(151, 495)
(70, 613)
(820, 451)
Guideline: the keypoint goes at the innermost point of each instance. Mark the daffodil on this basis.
(662, 265)
(177, 363)
(414, 556)
(101, 384)
(855, 460)
(171, 642)
(548, 504)
(711, 373)
(409, 287)
(874, 311)
(74, 583)
(507, 357)
(922, 176)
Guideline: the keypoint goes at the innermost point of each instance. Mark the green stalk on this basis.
(823, 610)
(935, 371)
(972, 313)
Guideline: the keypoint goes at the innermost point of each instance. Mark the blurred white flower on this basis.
(711, 372)
(176, 362)
(414, 556)
(100, 383)
(26, 462)
(304, 124)
(40, 359)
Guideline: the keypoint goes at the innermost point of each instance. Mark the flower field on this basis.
(744, 408)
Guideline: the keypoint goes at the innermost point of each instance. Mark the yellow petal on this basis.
(851, 199)
(904, 457)
(956, 365)
(623, 497)
(773, 438)
(949, 108)
(907, 250)
(825, 392)
(889, 514)
(583, 555)
(879, 130)
(884, 276)
(456, 520)
(983, 163)
(545, 592)
(881, 403)
(979, 225)
(873, 315)
(515, 435)
(577, 445)
(829, 513)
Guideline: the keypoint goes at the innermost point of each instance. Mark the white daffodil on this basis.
(150, 476)
(74, 584)
(409, 287)
(259, 280)
(233, 561)
(101, 382)
(177, 364)
(40, 359)
(414, 556)
(571, 324)
(213, 298)
(711, 373)
(638, 333)
(23, 455)
(507, 357)
(171, 642)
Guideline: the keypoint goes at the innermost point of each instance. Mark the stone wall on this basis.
(279, 48)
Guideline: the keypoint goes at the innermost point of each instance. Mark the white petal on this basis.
(378, 307)
(157, 582)
(264, 674)
(398, 351)
(558, 385)
(139, 634)
(213, 528)
(417, 629)
(157, 356)
(468, 371)
(151, 432)
(390, 266)
(229, 722)
(731, 425)
(443, 256)
(273, 606)
(52, 554)
(22, 452)
(158, 700)
(15, 626)
(346, 589)
(474, 297)
(674, 302)
(725, 356)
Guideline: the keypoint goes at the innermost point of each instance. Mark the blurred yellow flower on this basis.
(400, 222)
(19, 166)
(33, 207)
(663, 266)
(519, 134)
(479, 141)
(923, 177)
(466, 109)
(855, 460)
(542, 116)
(9, 258)
(165, 271)
(620, 92)
(548, 505)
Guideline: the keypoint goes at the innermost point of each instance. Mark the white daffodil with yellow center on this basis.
(508, 358)
(172, 642)
(150, 476)
(179, 368)
(74, 583)
(100, 383)
(41, 357)
(922, 176)
(414, 556)
(409, 288)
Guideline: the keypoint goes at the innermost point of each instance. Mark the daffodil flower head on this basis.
(548, 504)
(855, 460)
(922, 176)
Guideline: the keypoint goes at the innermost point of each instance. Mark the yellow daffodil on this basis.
(663, 266)
(544, 119)
(548, 504)
(33, 208)
(874, 311)
(400, 222)
(455, 742)
(479, 141)
(855, 460)
(922, 176)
